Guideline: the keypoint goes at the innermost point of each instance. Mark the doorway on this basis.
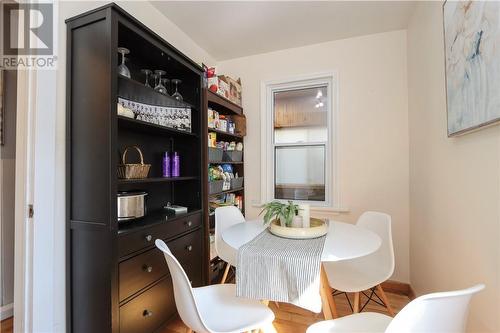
(8, 110)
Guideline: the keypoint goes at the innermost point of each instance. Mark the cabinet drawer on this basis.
(188, 250)
(145, 268)
(148, 311)
(132, 242)
(187, 247)
(140, 271)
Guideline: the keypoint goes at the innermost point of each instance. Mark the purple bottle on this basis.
(176, 167)
(167, 172)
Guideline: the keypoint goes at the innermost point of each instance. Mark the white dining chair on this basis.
(368, 272)
(444, 312)
(215, 308)
(226, 217)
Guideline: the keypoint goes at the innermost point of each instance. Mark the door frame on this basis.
(23, 241)
(39, 271)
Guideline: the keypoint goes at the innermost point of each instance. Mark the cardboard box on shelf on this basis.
(240, 123)
(223, 87)
(234, 88)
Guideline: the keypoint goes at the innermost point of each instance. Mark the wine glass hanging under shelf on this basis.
(178, 118)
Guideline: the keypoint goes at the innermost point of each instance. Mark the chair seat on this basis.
(348, 276)
(223, 312)
(366, 322)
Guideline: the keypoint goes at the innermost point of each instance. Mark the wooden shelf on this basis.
(228, 191)
(150, 127)
(227, 134)
(223, 102)
(224, 162)
(153, 218)
(135, 91)
(155, 180)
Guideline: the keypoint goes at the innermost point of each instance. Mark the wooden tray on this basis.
(318, 228)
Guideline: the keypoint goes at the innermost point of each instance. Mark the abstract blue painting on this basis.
(472, 50)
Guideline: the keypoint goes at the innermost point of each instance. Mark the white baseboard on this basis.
(6, 311)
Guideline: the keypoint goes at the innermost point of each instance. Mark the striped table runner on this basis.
(280, 269)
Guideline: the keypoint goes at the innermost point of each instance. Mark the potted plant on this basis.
(283, 212)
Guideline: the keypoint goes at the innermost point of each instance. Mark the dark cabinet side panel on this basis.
(90, 280)
(90, 124)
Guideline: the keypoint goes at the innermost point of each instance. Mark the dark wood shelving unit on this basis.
(228, 108)
(108, 289)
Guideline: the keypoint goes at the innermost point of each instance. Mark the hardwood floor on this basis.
(6, 325)
(291, 319)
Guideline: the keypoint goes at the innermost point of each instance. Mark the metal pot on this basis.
(131, 205)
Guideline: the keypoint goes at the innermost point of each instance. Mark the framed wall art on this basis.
(472, 51)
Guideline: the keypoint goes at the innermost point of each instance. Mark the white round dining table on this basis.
(344, 241)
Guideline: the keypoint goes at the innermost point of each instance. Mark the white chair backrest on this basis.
(380, 223)
(183, 293)
(444, 312)
(224, 218)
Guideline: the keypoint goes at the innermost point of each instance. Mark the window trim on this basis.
(332, 188)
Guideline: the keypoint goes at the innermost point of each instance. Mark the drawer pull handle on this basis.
(148, 269)
(189, 248)
(149, 238)
(189, 223)
(147, 313)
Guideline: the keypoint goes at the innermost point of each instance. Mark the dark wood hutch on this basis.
(117, 280)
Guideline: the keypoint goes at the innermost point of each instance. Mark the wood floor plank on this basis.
(292, 319)
(289, 318)
(7, 325)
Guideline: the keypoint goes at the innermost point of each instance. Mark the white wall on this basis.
(454, 182)
(149, 15)
(373, 116)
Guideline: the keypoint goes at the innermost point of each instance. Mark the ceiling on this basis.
(232, 29)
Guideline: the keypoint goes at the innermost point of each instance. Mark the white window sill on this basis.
(324, 210)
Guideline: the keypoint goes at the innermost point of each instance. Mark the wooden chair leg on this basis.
(385, 299)
(324, 289)
(356, 303)
(226, 271)
(329, 293)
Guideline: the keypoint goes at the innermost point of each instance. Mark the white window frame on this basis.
(268, 88)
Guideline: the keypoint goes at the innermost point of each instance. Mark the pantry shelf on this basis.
(224, 162)
(233, 113)
(228, 191)
(224, 103)
(227, 134)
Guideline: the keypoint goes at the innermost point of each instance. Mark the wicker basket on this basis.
(133, 171)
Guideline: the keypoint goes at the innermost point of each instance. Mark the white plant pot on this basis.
(297, 222)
